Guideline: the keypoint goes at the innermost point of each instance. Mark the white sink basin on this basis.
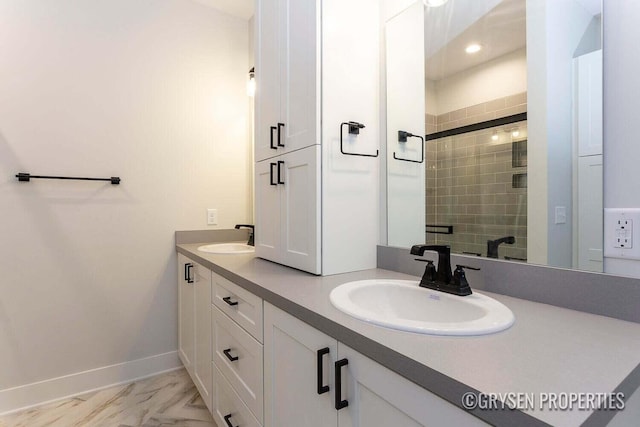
(227, 248)
(403, 305)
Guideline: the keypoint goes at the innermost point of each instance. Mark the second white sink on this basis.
(403, 305)
(227, 248)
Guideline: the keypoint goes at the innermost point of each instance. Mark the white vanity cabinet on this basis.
(237, 354)
(317, 68)
(300, 384)
(194, 323)
(287, 207)
(287, 76)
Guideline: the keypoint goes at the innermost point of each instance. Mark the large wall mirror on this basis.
(494, 129)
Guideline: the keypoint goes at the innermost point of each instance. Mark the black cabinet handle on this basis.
(321, 388)
(226, 420)
(280, 172)
(228, 301)
(187, 272)
(227, 353)
(271, 174)
(273, 128)
(339, 402)
(280, 126)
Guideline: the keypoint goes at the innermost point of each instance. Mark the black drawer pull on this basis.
(322, 388)
(188, 276)
(273, 147)
(280, 172)
(280, 126)
(271, 174)
(228, 301)
(227, 353)
(226, 420)
(339, 402)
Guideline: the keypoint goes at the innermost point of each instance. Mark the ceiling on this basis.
(498, 25)
(500, 30)
(238, 8)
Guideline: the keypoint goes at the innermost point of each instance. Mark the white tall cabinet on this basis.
(317, 66)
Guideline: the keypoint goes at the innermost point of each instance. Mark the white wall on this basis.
(503, 76)
(151, 91)
(621, 106)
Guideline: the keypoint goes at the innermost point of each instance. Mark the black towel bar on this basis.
(26, 177)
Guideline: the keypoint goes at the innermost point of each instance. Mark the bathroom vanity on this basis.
(292, 344)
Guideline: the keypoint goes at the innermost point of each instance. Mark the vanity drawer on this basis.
(239, 357)
(226, 403)
(239, 304)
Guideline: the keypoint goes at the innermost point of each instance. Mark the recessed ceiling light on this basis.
(434, 3)
(473, 48)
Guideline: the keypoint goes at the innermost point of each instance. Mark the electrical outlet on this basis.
(620, 235)
(624, 233)
(212, 216)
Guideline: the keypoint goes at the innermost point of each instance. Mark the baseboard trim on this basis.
(42, 392)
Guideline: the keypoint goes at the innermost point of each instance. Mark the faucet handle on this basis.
(430, 271)
(460, 279)
(468, 267)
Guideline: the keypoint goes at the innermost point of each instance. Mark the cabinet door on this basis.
(202, 332)
(299, 71)
(301, 209)
(186, 312)
(291, 372)
(267, 98)
(267, 205)
(379, 397)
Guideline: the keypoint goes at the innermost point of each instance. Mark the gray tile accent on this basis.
(595, 293)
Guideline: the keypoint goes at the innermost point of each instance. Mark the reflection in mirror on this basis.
(477, 191)
(512, 96)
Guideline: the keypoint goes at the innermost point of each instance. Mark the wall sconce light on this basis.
(515, 133)
(494, 137)
(251, 84)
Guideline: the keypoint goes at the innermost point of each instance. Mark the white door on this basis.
(267, 205)
(378, 397)
(186, 312)
(267, 98)
(202, 332)
(300, 73)
(300, 186)
(291, 378)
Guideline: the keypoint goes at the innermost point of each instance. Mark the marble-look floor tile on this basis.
(170, 399)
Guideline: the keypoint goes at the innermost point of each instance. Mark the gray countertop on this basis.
(547, 350)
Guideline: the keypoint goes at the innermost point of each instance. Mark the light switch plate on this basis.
(621, 233)
(212, 216)
(561, 215)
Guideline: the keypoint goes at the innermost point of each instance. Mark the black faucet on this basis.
(441, 278)
(251, 232)
(492, 245)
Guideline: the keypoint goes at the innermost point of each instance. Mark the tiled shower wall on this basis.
(469, 182)
(501, 107)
